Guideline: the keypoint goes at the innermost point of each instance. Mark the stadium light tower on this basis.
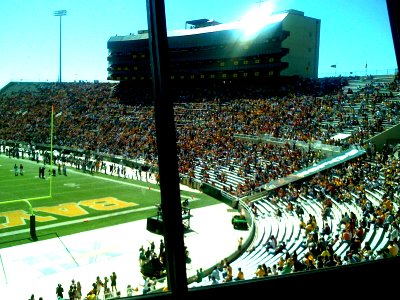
(60, 13)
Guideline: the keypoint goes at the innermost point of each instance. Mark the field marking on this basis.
(133, 184)
(66, 223)
(182, 187)
(4, 270)
(112, 180)
(80, 172)
(73, 170)
(72, 184)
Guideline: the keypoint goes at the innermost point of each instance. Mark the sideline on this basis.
(75, 171)
(44, 264)
(60, 224)
(71, 169)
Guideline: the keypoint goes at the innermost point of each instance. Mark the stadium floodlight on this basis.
(60, 13)
(256, 19)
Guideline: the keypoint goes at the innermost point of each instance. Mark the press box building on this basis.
(283, 44)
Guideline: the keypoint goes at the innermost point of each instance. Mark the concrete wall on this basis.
(303, 43)
(380, 139)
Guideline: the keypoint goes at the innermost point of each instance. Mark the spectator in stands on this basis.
(379, 220)
(113, 280)
(366, 248)
(354, 256)
(346, 236)
(216, 274)
(271, 243)
(330, 261)
(355, 245)
(260, 272)
(299, 211)
(338, 259)
(78, 290)
(278, 213)
(346, 260)
(371, 219)
(99, 285)
(71, 293)
(302, 224)
(326, 230)
(266, 269)
(360, 233)
(393, 248)
(229, 273)
(365, 257)
(60, 291)
(329, 247)
(345, 218)
(287, 267)
(297, 265)
(310, 241)
(325, 253)
(281, 263)
(146, 285)
(320, 262)
(335, 239)
(213, 280)
(394, 232)
(240, 243)
(326, 212)
(91, 295)
(309, 263)
(289, 207)
(279, 249)
(199, 275)
(129, 290)
(240, 274)
(310, 226)
(274, 269)
(388, 220)
(352, 222)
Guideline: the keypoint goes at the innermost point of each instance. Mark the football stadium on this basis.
(215, 162)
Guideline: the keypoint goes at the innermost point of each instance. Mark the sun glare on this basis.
(255, 19)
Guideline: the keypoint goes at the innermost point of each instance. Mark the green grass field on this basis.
(74, 203)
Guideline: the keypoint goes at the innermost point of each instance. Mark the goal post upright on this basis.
(51, 148)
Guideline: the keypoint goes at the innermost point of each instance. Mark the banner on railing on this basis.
(321, 166)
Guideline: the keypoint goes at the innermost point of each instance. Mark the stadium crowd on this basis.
(367, 192)
(89, 117)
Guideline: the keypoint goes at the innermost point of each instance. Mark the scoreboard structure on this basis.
(285, 44)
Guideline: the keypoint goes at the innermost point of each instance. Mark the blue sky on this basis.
(352, 33)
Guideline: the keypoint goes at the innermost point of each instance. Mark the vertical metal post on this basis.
(32, 227)
(393, 7)
(167, 151)
(60, 13)
(59, 76)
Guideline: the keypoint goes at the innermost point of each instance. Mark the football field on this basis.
(71, 203)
